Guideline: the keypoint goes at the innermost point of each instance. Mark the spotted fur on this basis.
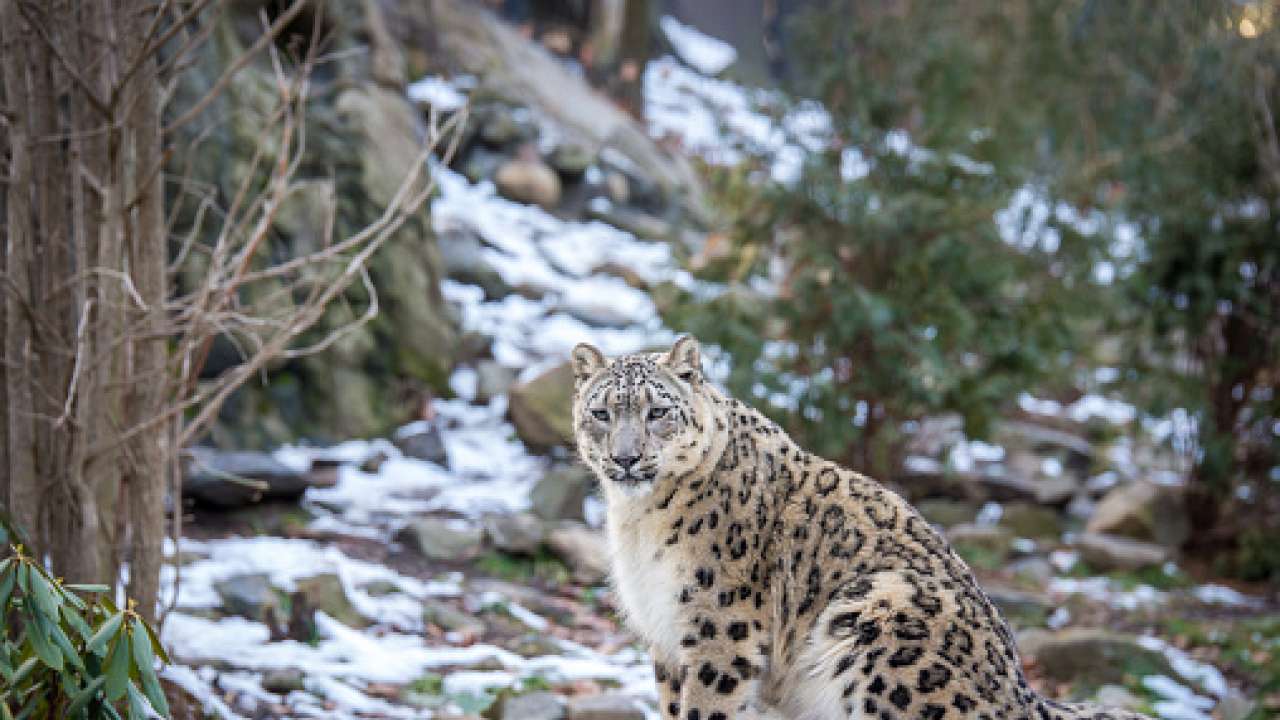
(770, 583)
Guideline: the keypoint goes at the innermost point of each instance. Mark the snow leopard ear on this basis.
(685, 360)
(586, 361)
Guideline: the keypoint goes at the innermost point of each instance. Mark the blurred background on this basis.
(1018, 260)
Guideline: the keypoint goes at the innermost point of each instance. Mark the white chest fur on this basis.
(646, 577)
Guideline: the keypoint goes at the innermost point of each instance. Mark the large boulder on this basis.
(1143, 511)
(534, 706)
(1090, 656)
(516, 534)
(326, 594)
(541, 408)
(254, 597)
(607, 706)
(235, 479)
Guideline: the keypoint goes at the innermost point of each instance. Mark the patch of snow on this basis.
(706, 54)
(1178, 702)
(1104, 590)
(1223, 595)
(437, 92)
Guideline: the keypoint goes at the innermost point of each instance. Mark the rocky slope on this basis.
(455, 568)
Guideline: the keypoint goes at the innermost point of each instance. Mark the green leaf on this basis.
(64, 643)
(105, 633)
(146, 663)
(46, 600)
(88, 587)
(118, 667)
(74, 620)
(156, 647)
(137, 704)
(41, 643)
(7, 578)
(6, 670)
(24, 670)
(83, 697)
(24, 572)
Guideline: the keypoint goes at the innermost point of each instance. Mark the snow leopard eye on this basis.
(601, 415)
(657, 413)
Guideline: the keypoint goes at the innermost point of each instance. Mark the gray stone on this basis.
(502, 125)
(493, 379)
(1012, 486)
(482, 164)
(637, 222)
(947, 512)
(540, 408)
(1143, 511)
(1029, 520)
(560, 493)
(422, 441)
(1092, 656)
(1117, 696)
(534, 706)
(235, 479)
(1112, 552)
(444, 539)
(1034, 571)
(607, 706)
(326, 594)
(528, 181)
(253, 597)
(1021, 609)
(450, 619)
(463, 256)
(517, 533)
(583, 550)
(572, 158)
(283, 681)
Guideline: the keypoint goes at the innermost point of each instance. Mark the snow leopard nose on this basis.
(626, 461)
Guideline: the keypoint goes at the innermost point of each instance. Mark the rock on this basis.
(283, 681)
(517, 533)
(540, 408)
(1045, 440)
(392, 133)
(1031, 521)
(572, 159)
(528, 181)
(617, 187)
(481, 164)
(1143, 511)
(534, 706)
(1013, 486)
(1116, 696)
(253, 597)
(1031, 571)
(444, 539)
(464, 261)
(235, 479)
(492, 379)
(560, 493)
(583, 550)
(1021, 609)
(988, 537)
(1112, 552)
(514, 66)
(421, 440)
(450, 619)
(503, 125)
(638, 223)
(947, 512)
(324, 593)
(386, 57)
(607, 706)
(1091, 656)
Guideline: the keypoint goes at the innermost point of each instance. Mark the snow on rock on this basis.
(706, 54)
(437, 92)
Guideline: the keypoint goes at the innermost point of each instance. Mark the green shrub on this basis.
(68, 651)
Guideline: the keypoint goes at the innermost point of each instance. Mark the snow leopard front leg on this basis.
(718, 673)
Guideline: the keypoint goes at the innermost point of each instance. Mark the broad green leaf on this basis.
(110, 711)
(156, 647)
(137, 704)
(4, 710)
(74, 620)
(6, 670)
(83, 697)
(118, 667)
(41, 642)
(46, 599)
(105, 633)
(33, 704)
(64, 643)
(146, 664)
(24, 572)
